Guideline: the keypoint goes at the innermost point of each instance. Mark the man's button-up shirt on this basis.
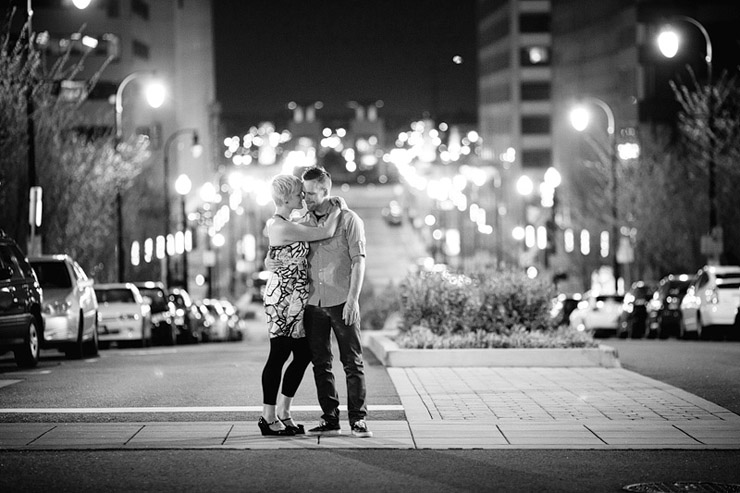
(330, 260)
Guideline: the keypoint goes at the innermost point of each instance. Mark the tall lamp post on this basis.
(668, 43)
(183, 186)
(579, 118)
(155, 97)
(197, 149)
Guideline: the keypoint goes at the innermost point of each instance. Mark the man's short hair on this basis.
(318, 174)
(283, 186)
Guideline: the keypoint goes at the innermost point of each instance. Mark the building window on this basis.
(495, 94)
(536, 158)
(534, 55)
(141, 50)
(534, 23)
(494, 32)
(535, 91)
(140, 8)
(535, 124)
(103, 91)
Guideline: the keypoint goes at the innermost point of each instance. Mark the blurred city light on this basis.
(155, 94)
(81, 4)
(524, 185)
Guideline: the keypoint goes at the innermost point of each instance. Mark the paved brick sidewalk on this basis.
(455, 408)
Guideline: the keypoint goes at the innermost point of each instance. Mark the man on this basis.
(336, 273)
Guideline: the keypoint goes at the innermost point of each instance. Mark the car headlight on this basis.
(57, 307)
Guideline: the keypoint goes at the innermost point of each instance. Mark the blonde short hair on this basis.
(283, 186)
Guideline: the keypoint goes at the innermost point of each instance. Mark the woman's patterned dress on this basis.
(286, 292)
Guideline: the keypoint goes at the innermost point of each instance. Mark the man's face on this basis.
(315, 193)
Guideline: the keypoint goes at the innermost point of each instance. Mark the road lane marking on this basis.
(218, 409)
(37, 372)
(5, 383)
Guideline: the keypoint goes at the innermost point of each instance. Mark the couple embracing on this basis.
(317, 266)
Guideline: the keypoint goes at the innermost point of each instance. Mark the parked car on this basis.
(164, 330)
(219, 328)
(125, 317)
(21, 322)
(632, 321)
(70, 307)
(393, 213)
(711, 301)
(188, 317)
(237, 325)
(597, 314)
(562, 307)
(664, 309)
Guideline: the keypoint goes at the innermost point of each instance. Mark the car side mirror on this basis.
(6, 272)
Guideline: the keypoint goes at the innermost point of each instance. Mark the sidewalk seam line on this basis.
(687, 434)
(134, 435)
(227, 435)
(41, 435)
(595, 434)
(503, 434)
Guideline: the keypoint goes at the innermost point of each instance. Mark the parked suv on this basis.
(711, 301)
(21, 322)
(70, 307)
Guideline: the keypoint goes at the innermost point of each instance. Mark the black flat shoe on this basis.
(267, 431)
(297, 429)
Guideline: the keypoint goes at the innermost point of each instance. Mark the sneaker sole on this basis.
(363, 435)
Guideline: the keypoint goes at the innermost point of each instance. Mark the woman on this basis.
(285, 298)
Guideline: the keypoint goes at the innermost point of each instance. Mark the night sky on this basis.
(335, 51)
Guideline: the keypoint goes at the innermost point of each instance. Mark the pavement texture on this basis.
(453, 408)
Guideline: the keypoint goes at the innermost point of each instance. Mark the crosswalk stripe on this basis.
(215, 409)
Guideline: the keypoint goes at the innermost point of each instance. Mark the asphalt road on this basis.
(709, 369)
(228, 374)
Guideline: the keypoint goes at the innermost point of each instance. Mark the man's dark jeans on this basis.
(319, 321)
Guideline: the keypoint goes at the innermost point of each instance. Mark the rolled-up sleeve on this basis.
(355, 230)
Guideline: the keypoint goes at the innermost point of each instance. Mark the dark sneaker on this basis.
(325, 429)
(359, 429)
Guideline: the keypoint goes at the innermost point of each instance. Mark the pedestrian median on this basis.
(391, 355)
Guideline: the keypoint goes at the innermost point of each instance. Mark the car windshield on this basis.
(610, 298)
(724, 284)
(159, 303)
(52, 274)
(115, 296)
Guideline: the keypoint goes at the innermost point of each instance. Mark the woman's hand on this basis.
(339, 202)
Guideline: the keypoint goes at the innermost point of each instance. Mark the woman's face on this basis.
(295, 201)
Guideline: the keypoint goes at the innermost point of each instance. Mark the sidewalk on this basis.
(454, 408)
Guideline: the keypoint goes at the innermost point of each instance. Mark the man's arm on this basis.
(351, 312)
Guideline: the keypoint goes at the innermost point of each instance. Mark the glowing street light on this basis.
(155, 97)
(580, 118)
(669, 44)
(197, 150)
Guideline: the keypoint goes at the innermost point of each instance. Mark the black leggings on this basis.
(280, 349)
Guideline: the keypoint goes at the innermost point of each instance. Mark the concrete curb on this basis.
(391, 355)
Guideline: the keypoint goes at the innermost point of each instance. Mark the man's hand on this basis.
(351, 312)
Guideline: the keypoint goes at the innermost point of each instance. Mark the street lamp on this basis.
(579, 117)
(196, 149)
(669, 43)
(182, 187)
(155, 97)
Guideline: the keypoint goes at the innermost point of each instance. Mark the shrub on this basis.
(491, 309)
(377, 306)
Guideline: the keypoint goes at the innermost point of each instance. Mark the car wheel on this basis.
(703, 332)
(92, 346)
(171, 336)
(74, 350)
(662, 330)
(27, 355)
